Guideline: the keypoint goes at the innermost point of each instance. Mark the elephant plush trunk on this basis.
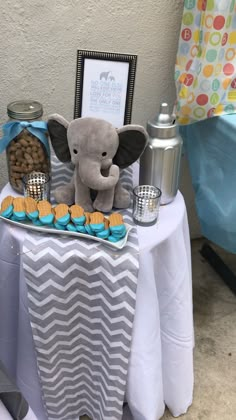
(90, 174)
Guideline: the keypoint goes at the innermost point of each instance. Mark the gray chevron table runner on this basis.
(81, 297)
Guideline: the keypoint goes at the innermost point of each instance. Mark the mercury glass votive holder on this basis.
(37, 186)
(146, 204)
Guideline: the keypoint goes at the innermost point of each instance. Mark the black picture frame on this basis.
(108, 92)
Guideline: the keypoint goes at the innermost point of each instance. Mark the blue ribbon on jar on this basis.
(14, 128)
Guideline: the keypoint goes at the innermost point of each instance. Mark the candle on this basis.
(37, 186)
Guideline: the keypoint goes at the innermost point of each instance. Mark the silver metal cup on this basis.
(37, 186)
(146, 204)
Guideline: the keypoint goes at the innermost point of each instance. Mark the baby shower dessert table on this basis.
(161, 360)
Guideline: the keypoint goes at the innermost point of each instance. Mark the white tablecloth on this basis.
(161, 361)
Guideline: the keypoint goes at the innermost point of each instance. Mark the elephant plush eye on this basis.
(104, 153)
(75, 151)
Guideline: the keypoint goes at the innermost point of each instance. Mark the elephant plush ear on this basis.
(132, 142)
(57, 128)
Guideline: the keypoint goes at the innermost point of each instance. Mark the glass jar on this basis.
(28, 150)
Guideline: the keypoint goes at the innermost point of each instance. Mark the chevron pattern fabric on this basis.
(81, 298)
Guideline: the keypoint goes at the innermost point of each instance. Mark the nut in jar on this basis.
(26, 154)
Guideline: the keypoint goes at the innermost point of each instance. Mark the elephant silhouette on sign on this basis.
(107, 75)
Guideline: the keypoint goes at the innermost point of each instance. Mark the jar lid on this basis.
(25, 110)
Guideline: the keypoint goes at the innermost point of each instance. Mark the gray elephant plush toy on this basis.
(98, 151)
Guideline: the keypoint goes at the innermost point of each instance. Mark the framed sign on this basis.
(105, 86)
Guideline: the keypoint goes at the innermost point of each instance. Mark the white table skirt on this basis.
(161, 361)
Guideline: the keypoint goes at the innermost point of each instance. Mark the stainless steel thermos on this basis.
(160, 161)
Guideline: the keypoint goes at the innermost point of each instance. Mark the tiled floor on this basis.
(215, 338)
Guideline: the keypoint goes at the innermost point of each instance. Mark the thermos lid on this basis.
(25, 110)
(163, 124)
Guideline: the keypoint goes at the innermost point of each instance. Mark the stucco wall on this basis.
(39, 41)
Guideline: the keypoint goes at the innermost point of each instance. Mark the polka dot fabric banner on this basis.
(205, 71)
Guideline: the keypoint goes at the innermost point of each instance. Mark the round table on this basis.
(161, 361)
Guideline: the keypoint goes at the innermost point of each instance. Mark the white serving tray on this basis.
(29, 226)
